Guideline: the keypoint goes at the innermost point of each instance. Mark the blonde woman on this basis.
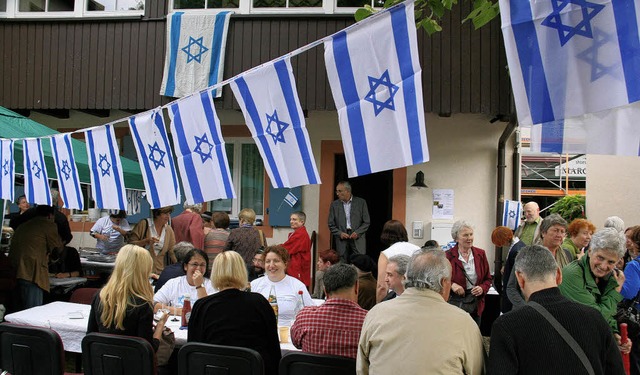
(234, 317)
(125, 305)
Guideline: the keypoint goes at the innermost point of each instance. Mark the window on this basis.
(276, 6)
(42, 9)
(247, 172)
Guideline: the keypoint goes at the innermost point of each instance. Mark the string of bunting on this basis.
(374, 74)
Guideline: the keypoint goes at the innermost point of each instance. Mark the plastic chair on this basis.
(83, 295)
(117, 355)
(30, 350)
(196, 358)
(299, 363)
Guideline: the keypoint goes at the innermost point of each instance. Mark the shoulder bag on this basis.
(167, 344)
(566, 336)
(628, 313)
(468, 302)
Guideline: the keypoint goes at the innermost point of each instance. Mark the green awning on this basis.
(13, 125)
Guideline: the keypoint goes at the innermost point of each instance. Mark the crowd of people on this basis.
(415, 310)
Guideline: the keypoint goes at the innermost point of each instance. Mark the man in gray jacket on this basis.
(348, 222)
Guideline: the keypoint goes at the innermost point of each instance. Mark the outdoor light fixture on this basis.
(419, 181)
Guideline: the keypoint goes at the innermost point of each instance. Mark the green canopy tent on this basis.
(13, 125)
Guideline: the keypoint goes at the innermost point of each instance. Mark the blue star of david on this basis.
(36, 169)
(200, 49)
(157, 163)
(204, 152)
(512, 214)
(65, 170)
(374, 83)
(5, 167)
(566, 32)
(590, 55)
(104, 165)
(278, 136)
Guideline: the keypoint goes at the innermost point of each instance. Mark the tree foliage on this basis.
(429, 13)
(570, 207)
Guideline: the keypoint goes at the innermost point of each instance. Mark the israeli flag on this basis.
(195, 52)
(156, 158)
(107, 182)
(68, 180)
(7, 176)
(36, 181)
(201, 155)
(511, 214)
(575, 73)
(374, 73)
(272, 111)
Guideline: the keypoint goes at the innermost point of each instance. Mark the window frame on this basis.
(236, 173)
(246, 7)
(78, 12)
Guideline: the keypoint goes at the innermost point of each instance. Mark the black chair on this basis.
(30, 350)
(299, 363)
(195, 358)
(105, 354)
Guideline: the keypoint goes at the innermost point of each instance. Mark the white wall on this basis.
(613, 188)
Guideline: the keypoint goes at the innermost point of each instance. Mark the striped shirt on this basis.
(332, 328)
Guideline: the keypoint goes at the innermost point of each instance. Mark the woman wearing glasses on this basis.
(194, 284)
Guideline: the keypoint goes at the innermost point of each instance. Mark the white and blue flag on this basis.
(272, 111)
(68, 180)
(36, 181)
(575, 73)
(7, 175)
(511, 214)
(195, 52)
(374, 73)
(200, 150)
(156, 158)
(107, 182)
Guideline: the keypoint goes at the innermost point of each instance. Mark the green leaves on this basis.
(483, 12)
(428, 13)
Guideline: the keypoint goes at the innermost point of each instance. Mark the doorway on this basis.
(377, 190)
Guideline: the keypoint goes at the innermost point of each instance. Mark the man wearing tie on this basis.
(348, 222)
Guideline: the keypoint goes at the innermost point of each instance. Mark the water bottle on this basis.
(299, 304)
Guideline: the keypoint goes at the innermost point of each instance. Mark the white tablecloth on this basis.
(70, 321)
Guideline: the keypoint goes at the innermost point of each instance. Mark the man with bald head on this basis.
(529, 229)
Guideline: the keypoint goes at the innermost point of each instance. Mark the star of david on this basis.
(159, 160)
(5, 167)
(590, 55)
(36, 169)
(277, 136)
(566, 32)
(65, 170)
(203, 148)
(512, 214)
(198, 48)
(104, 165)
(374, 84)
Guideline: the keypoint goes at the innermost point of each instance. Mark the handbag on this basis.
(468, 302)
(165, 349)
(627, 313)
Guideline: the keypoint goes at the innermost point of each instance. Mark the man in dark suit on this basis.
(348, 222)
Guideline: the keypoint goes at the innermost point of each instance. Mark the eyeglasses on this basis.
(197, 265)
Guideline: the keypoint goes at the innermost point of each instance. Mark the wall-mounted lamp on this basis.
(419, 181)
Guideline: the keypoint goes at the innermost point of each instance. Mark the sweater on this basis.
(524, 342)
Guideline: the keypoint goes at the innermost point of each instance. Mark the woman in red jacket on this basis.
(470, 272)
(299, 247)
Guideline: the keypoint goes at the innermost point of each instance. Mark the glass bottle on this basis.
(299, 304)
(273, 300)
(186, 311)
